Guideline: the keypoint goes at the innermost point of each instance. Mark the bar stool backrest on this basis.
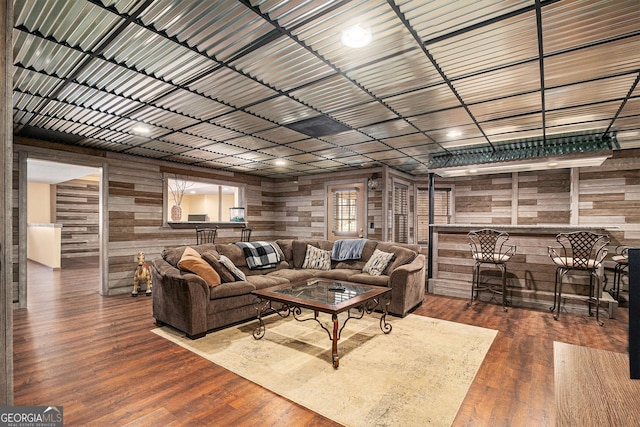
(489, 245)
(206, 235)
(580, 250)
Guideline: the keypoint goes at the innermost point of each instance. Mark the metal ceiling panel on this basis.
(212, 132)
(80, 24)
(572, 23)
(232, 88)
(221, 28)
(284, 64)
(508, 81)
(608, 59)
(434, 19)
(140, 49)
(510, 106)
(281, 135)
(191, 105)
(389, 129)
(499, 44)
(364, 115)
(423, 101)
(282, 110)
(121, 81)
(32, 82)
(224, 79)
(589, 92)
(159, 117)
(44, 55)
(331, 94)
(250, 143)
(323, 34)
(510, 125)
(403, 72)
(244, 122)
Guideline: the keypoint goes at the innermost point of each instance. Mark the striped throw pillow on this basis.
(317, 259)
(377, 263)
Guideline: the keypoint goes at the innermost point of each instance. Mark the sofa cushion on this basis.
(231, 289)
(299, 249)
(293, 275)
(213, 258)
(266, 281)
(317, 259)
(239, 275)
(351, 264)
(337, 273)
(173, 254)
(377, 263)
(401, 255)
(193, 262)
(234, 253)
(285, 246)
(367, 279)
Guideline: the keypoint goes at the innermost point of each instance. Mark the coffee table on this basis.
(326, 296)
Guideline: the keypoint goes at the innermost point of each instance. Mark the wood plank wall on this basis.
(77, 209)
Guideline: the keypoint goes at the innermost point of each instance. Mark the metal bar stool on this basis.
(583, 251)
(621, 258)
(245, 235)
(489, 247)
(206, 235)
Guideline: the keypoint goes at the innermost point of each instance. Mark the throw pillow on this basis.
(377, 263)
(317, 259)
(214, 261)
(238, 274)
(193, 262)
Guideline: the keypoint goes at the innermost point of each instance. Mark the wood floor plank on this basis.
(97, 358)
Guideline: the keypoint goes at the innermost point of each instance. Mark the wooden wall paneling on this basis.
(77, 209)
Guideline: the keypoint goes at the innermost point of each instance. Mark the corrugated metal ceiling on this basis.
(216, 83)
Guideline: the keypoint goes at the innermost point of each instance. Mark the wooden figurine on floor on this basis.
(143, 274)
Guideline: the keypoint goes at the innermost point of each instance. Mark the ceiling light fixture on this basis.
(141, 129)
(280, 162)
(454, 134)
(356, 36)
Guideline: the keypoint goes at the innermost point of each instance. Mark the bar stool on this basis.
(489, 247)
(245, 235)
(582, 251)
(206, 235)
(621, 258)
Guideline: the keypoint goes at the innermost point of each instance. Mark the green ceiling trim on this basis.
(526, 149)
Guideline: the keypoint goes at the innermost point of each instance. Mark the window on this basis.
(202, 201)
(441, 210)
(345, 210)
(400, 214)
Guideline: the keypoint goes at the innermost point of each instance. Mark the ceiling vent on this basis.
(318, 126)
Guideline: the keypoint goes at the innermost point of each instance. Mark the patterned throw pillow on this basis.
(232, 268)
(317, 259)
(193, 262)
(377, 263)
(214, 261)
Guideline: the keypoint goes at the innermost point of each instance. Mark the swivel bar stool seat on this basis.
(621, 258)
(582, 251)
(489, 247)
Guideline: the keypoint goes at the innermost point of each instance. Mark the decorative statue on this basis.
(143, 274)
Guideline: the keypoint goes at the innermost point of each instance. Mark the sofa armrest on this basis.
(179, 300)
(408, 285)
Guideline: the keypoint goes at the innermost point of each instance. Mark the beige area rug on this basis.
(418, 375)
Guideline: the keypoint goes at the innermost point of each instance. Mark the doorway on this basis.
(63, 211)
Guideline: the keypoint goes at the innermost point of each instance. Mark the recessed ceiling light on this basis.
(141, 129)
(553, 164)
(356, 36)
(280, 163)
(473, 170)
(454, 134)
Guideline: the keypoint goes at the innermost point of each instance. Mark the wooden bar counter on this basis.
(530, 273)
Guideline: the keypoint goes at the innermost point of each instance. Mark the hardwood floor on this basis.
(97, 358)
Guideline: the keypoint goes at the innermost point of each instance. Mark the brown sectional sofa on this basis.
(184, 301)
